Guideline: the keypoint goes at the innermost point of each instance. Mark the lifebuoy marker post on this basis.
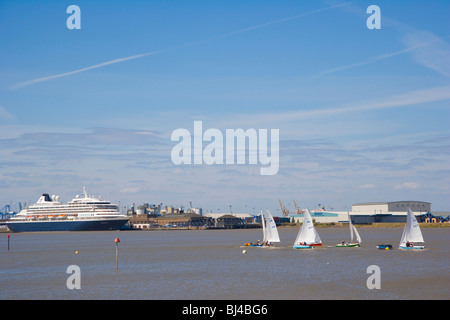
(116, 241)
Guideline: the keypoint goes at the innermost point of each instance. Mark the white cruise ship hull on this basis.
(99, 224)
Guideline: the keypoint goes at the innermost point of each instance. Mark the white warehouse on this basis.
(394, 211)
(395, 207)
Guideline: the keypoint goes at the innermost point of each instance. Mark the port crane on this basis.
(297, 208)
(6, 212)
(6, 209)
(283, 209)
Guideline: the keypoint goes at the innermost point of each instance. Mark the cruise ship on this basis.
(84, 213)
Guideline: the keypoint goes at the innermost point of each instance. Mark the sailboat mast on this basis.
(350, 226)
(264, 227)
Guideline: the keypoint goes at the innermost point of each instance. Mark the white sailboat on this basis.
(270, 231)
(354, 235)
(307, 236)
(411, 233)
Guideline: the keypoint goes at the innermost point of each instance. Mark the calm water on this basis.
(211, 265)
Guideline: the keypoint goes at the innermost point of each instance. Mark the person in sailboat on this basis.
(409, 244)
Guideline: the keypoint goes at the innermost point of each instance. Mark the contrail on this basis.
(259, 26)
(381, 57)
(65, 74)
(137, 56)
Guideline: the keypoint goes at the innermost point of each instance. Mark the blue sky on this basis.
(363, 114)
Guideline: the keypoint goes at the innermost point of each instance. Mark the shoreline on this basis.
(372, 225)
(295, 226)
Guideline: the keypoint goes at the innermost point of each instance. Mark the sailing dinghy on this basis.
(411, 233)
(307, 236)
(353, 234)
(270, 232)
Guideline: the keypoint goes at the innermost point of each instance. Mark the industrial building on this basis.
(373, 212)
(231, 220)
(395, 207)
(185, 220)
(189, 219)
(394, 211)
(321, 217)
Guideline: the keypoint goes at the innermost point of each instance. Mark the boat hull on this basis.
(349, 245)
(252, 245)
(72, 225)
(302, 246)
(384, 247)
(412, 248)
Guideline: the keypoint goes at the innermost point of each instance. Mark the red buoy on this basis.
(116, 241)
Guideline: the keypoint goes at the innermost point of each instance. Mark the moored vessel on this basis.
(83, 213)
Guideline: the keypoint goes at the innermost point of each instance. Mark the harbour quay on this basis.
(151, 217)
(191, 220)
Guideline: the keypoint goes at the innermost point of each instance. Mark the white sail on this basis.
(264, 227)
(307, 233)
(411, 232)
(353, 232)
(358, 238)
(350, 225)
(271, 232)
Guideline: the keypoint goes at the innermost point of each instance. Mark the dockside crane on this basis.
(6, 210)
(283, 209)
(297, 208)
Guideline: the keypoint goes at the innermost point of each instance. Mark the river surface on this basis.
(210, 264)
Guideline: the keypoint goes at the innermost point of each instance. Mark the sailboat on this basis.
(307, 236)
(411, 233)
(353, 234)
(270, 232)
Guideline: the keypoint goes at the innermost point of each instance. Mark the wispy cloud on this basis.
(98, 137)
(408, 185)
(430, 51)
(401, 100)
(190, 44)
(427, 49)
(5, 115)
